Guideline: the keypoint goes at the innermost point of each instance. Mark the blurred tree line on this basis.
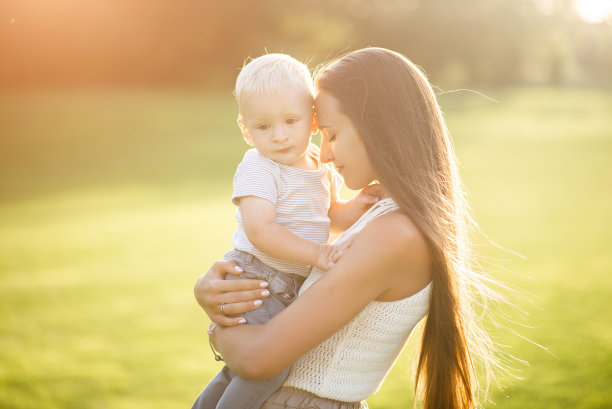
(205, 42)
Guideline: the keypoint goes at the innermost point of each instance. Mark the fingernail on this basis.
(257, 302)
(209, 331)
(238, 268)
(265, 293)
(263, 284)
(241, 321)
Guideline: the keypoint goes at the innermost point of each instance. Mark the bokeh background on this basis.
(118, 144)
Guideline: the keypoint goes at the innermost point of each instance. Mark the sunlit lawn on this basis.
(114, 202)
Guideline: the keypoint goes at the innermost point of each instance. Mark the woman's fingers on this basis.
(226, 321)
(236, 296)
(225, 286)
(243, 296)
(230, 315)
(223, 267)
(211, 293)
(241, 307)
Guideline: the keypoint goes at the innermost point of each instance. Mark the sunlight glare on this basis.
(593, 11)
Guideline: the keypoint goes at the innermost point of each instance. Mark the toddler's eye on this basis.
(291, 121)
(262, 127)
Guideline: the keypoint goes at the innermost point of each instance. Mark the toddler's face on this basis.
(279, 126)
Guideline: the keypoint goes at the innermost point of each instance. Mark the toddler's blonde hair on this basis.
(270, 74)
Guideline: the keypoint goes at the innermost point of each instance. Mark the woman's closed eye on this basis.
(330, 136)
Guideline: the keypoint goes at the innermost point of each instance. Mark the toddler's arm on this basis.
(344, 213)
(259, 221)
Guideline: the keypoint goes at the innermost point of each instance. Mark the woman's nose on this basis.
(326, 153)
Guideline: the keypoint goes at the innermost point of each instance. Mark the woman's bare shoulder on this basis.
(402, 251)
(396, 232)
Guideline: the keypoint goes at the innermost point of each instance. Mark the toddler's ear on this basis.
(315, 124)
(245, 132)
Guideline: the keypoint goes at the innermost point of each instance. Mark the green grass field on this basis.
(113, 203)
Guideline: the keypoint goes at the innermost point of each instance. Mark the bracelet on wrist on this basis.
(210, 331)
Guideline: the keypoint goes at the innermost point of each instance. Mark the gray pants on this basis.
(228, 390)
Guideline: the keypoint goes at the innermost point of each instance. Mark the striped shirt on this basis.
(301, 197)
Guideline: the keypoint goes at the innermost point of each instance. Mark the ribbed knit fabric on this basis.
(352, 364)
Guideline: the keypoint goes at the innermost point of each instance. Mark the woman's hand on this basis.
(221, 298)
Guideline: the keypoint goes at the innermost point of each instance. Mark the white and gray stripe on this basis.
(302, 199)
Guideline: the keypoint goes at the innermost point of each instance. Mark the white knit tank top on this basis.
(352, 364)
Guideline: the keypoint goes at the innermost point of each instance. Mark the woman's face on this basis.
(341, 143)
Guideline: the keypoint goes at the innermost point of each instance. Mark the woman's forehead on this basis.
(326, 102)
(328, 110)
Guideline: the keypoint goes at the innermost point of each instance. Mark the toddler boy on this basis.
(284, 195)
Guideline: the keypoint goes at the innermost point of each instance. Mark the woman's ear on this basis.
(245, 132)
(315, 124)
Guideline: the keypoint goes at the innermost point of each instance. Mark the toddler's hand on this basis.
(330, 254)
(370, 195)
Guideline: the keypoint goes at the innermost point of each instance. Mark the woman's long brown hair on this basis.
(395, 111)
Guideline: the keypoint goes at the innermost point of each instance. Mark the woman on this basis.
(379, 121)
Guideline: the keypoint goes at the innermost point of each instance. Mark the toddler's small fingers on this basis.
(367, 199)
(346, 245)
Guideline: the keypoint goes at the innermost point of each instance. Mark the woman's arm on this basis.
(388, 256)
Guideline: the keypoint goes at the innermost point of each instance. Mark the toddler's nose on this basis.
(279, 135)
